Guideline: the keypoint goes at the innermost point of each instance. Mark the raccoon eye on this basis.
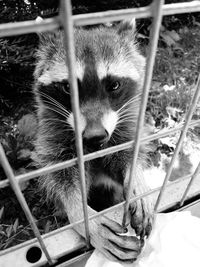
(66, 88)
(115, 86)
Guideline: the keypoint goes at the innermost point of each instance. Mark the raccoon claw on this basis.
(109, 239)
(141, 218)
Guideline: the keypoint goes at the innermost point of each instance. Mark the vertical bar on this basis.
(157, 13)
(196, 173)
(70, 58)
(15, 186)
(181, 138)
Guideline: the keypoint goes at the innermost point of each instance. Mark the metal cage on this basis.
(50, 247)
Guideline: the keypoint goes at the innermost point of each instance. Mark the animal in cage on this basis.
(110, 73)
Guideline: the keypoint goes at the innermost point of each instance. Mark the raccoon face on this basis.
(109, 72)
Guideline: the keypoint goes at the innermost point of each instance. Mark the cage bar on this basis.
(69, 163)
(138, 13)
(67, 23)
(194, 176)
(157, 12)
(9, 172)
(180, 141)
(50, 24)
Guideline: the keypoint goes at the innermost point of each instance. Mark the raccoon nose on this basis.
(95, 135)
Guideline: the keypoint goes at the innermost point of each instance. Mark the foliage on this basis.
(17, 139)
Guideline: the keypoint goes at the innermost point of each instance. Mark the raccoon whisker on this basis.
(131, 122)
(53, 106)
(136, 97)
(59, 106)
(113, 139)
(130, 101)
(129, 104)
(59, 120)
(56, 107)
(127, 115)
(120, 137)
(118, 133)
(57, 111)
(127, 120)
(130, 110)
(55, 102)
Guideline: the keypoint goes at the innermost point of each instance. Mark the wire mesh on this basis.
(70, 60)
(180, 141)
(66, 20)
(194, 176)
(69, 163)
(9, 172)
(50, 24)
(157, 13)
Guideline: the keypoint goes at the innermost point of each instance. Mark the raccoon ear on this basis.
(126, 26)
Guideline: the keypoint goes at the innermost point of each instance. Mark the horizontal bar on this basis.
(30, 26)
(157, 12)
(66, 12)
(138, 13)
(50, 24)
(14, 184)
(104, 212)
(194, 176)
(80, 260)
(69, 163)
(59, 245)
(189, 115)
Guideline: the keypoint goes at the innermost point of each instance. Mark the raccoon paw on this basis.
(107, 236)
(141, 213)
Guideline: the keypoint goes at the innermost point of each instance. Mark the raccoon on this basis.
(110, 74)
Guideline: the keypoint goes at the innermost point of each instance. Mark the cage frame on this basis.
(67, 21)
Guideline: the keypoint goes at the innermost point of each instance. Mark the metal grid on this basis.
(65, 20)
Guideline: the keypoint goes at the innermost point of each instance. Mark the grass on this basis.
(174, 79)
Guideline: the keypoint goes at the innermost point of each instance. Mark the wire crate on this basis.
(65, 243)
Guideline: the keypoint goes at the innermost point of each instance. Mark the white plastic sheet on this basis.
(174, 242)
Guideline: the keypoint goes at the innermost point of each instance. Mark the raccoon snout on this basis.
(95, 135)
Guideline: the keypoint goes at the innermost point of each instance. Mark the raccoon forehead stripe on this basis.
(59, 72)
(119, 68)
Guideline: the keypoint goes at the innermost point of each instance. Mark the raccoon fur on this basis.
(110, 74)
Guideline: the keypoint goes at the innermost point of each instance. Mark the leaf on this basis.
(174, 35)
(7, 244)
(9, 230)
(167, 39)
(1, 212)
(27, 126)
(47, 227)
(174, 113)
(24, 154)
(15, 225)
(2, 233)
(170, 37)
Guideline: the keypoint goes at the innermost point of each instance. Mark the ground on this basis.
(175, 74)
